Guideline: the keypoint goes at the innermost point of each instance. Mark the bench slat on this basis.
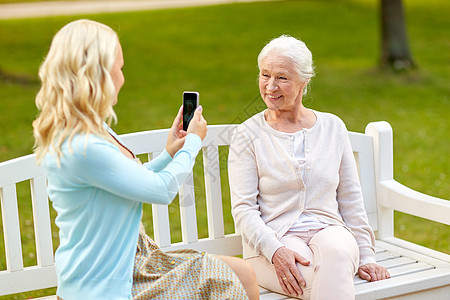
(19, 169)
(161, 225)
(11, 228)
(401, 270)
(397, 262)
(213, 192)
(219, 135)
(160, 214)
(363, 150)
(406, 284)
(146, 141)
(230, 245)
(386, 255)
(41, 218)
(410, 268)
(188, 216)
(28, 279)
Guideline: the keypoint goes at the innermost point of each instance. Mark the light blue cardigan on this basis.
(98, 194)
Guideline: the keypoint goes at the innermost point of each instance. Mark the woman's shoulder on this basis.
(82, 149)
(255, 119)
(82, 142)
(252, 125)
(329, 119)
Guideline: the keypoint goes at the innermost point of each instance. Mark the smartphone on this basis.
(190, 103)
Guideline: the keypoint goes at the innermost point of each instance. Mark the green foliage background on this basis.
(213, 50)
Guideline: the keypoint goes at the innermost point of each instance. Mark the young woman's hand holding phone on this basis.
(193, 121)
(197, 125)
(176, 137)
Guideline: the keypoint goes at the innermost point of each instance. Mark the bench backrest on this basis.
(17, 278)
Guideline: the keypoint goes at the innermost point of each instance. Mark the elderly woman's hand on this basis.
(289, 277)
(373, 272)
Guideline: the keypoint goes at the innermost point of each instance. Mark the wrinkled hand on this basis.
(176, 137)
(373, 272)
(288, 274)
(197, 125)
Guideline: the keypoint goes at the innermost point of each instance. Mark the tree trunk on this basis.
(394, 42)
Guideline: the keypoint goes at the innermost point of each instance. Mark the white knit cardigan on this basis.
(268, 193)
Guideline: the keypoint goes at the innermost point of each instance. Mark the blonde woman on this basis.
(97, 187)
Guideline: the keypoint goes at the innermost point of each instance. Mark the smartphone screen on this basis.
(190, 103)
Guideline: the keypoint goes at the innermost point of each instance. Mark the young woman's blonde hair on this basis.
(77, 93)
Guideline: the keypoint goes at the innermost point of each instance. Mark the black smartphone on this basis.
(190, 103)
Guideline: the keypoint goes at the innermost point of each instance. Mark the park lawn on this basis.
(213, 50)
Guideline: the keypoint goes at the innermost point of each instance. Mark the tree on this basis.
(394, 42)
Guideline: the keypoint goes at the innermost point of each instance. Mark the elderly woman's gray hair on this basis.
(295, 50)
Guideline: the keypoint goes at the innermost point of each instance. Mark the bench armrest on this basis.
(396, 196)
(392, 195)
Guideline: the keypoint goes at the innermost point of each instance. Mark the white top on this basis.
(270, 190)
(305, 221)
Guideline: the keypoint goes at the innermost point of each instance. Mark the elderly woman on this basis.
(295, 194)
(98, 188)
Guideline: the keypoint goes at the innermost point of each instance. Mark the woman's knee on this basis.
(338, 252)
(337, 245)
(245, 273)
(242, 268)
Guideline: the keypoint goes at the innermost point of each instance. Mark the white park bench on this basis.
(416, 272)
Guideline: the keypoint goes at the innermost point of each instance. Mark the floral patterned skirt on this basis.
(181, 274)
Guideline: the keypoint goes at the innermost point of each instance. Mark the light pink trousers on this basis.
(334, 256)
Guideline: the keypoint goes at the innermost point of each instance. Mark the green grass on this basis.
(213, 50)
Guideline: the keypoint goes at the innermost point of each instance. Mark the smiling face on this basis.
(279, 84)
